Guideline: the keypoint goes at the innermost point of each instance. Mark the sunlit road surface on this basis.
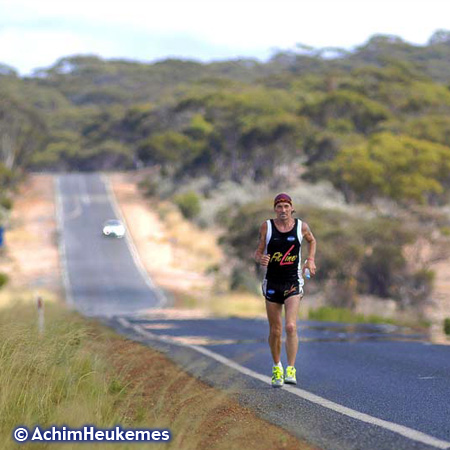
(359, 387)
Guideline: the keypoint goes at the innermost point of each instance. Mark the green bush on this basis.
(447, 325)
(343, 315)
(189, 204)
(6, 203)
(149, 186)
(3, 279)
(242, 279)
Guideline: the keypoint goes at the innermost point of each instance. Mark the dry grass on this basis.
(52, 378)
(11, 296)
(79, 372)
(236, 304)
(196, 248)
(30, 254)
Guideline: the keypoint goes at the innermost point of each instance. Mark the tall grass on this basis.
(52, 378)
(80, 373)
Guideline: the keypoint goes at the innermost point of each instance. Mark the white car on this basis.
(114, 227)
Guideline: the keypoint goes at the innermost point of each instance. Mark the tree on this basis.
(439, 37)
(364, 113)
(168, 148)
(432, 127)
(398, 167)
(22, 132)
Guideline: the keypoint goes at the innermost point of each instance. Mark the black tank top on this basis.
(285, 253)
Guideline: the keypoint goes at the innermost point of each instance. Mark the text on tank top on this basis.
(285, 252)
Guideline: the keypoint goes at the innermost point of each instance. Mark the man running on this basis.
(279, 250)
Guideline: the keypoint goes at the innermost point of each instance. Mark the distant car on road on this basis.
(114, 228)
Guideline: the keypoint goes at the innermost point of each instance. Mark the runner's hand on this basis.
(264, 261)
(311, 265)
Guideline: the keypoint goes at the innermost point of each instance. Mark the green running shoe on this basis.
(290, 377)
(277, 376)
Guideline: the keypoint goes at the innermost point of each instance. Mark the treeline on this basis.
(374, 121)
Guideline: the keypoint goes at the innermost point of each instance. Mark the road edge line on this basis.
(402, 430)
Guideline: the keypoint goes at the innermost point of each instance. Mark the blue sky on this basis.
(36, 33)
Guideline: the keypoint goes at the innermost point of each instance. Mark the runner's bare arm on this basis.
(312, 243)
(260, 257)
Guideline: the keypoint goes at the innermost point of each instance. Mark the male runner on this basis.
(279, 250)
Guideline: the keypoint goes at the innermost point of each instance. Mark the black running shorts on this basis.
(279, 292)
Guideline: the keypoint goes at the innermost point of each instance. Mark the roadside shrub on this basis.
(343, 315)
(189, 204)
(423, 281)
(149, 186)
(243, 279)
(3, 279)
(447, 325)
(6, 203)
(380, 268)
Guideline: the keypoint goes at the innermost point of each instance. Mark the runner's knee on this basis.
(291, 328)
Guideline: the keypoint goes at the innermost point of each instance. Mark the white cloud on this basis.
(205, 29)
(36, 48)
(28, 49)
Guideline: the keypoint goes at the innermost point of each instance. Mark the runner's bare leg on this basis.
(274, 311)
(291, 305)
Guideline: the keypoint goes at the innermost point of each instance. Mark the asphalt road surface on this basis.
(359, 387)
(103, 275)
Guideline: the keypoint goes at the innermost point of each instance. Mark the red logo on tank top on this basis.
(288, 259)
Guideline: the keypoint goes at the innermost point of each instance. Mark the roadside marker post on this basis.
(40, 309)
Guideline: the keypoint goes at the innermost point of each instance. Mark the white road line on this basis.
(83, 190)
(61, 242)
(75, 213)
(409, 433)
(162, 300)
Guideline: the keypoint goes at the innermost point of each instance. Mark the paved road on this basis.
(360, 387)
(102, 275)
(389, 387)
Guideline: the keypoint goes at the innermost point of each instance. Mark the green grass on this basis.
(330, 314)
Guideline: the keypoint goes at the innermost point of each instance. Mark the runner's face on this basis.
(283, 210)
